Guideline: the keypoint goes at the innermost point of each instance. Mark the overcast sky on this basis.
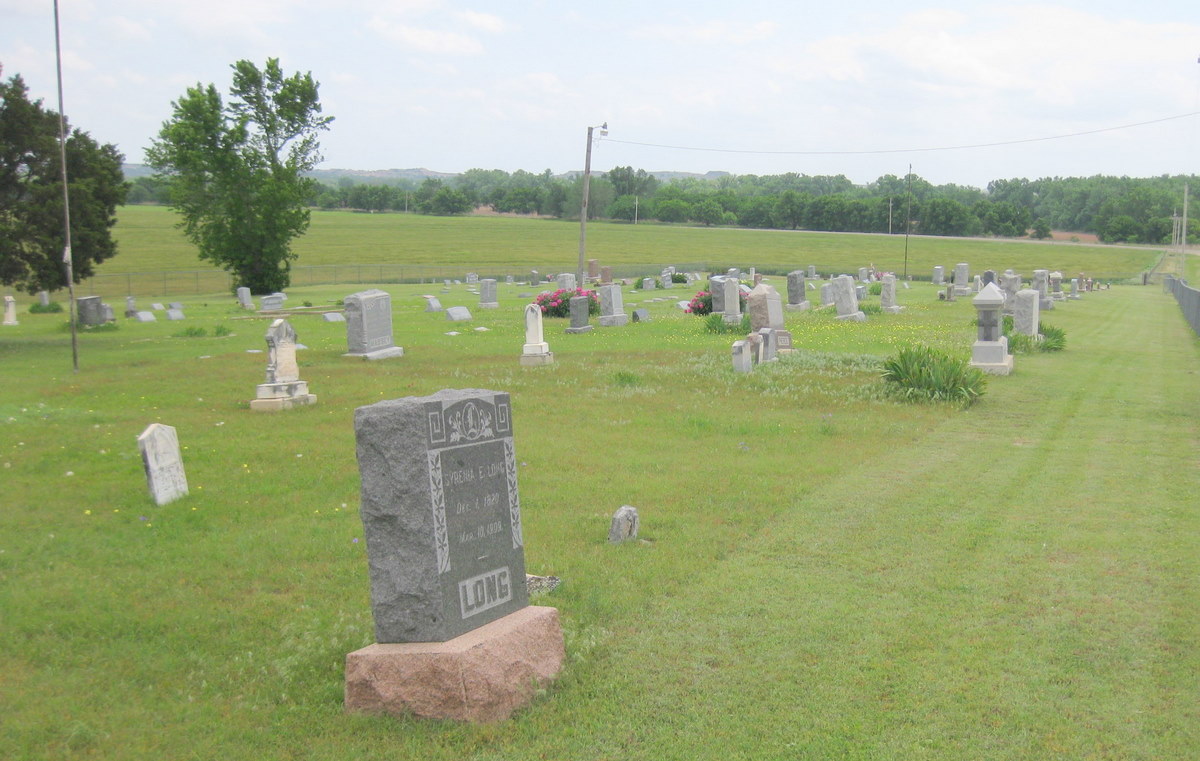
(766, 86)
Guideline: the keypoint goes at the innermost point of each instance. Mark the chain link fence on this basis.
(1188, 298)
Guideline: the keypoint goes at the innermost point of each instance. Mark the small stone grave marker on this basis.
(458, 314)
(624, 524)
(159, 446)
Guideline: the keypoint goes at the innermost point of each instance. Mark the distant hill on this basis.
(390, 176)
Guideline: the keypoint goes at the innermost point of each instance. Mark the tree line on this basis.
(1117, 209)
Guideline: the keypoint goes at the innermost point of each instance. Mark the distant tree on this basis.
(758, 211)
(944, 216)
(708, 213)
(623, 207)
(1041, 229)
(238, 169)
(789, 210)
(448, 201)
(672, 210)
(149, 190)
(627, 182)
(31, 200)
(1121, 227)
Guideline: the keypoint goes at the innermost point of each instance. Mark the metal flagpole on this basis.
(62, 157)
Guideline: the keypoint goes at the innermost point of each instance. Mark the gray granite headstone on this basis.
(812, 270)
(846, 300)
(647, 284)
(887, 296)
(174, 314)
(91, 311)
(333, 317)
(271, 302)
(10, 311)
(44, 298)
(472, 278)
(624, 524)
(245, 301)
(144, 316)
(534, 277)
(458, 314)
(732, 314)
(441, 513)
(612, 307)
(487, 294)
(593, 268)
(175, 305)
(742, 361)
(566, 281)
(130, 306)
(939, 275)
(826, 294)
(1026, 312)
(641, 315)
(157, 307)
(579, 314)
(432, 304)
(989, 276)
(717, 290)
(159, 446)
(369, 325)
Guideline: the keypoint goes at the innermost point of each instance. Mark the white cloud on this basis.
(719, 31)
(426, 40)
(484, 21)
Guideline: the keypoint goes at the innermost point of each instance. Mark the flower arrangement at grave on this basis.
(558, 303)
(701, 304)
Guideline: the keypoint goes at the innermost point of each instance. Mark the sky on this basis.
(862, 89)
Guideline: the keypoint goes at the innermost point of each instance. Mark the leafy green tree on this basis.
(627, 182)
(623, 207)
(789, 209)
(31, 199)
(1041, 229)
(708, 213)
(448, 201)
(237, 169)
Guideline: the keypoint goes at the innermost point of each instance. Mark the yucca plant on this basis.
(922, 373)
(1053, 339)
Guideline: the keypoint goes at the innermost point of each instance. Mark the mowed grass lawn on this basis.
(822, 573)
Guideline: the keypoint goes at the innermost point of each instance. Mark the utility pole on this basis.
(583, 211)
(68, 263)
(907, 216)
(1184, 231)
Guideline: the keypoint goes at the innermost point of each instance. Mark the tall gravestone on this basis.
(863, 277)
(159, 445)
(716, 288)
(846, 299)
(487, 294)
(44, 298)
(731, 302)
(812, 271)
(766, 312)
(130, 306)
(566, 281)
(1010, 283)
(990, 350)
(606, 275)
(887, 296)
(1074, 289)
(612, 307)
(455, 634)
(536, 351)
(593, 269)
(1041, 284)
(10, 311)
(1027, 312)
(962, 279)
(369, 325)
(827, 294)
(283, 388)
(245, 300)
(939, 275)
(797, 295)
(1056, 290)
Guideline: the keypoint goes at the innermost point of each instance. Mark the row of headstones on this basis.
(92, 311)
(1048, 284)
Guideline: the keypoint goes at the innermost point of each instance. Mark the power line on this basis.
(912, 150)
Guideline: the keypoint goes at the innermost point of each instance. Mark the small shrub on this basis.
(558, 303)
(222, 330)
(870, 308)
(306, 303)
(1020, 343)
(679, 277)
(875, 289)
(626, 378)
(715, 323)
(922, 373)
(1053, 339)
(701, 303)
(52, 308)
(192, 331)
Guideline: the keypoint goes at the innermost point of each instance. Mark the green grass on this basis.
(825, 573)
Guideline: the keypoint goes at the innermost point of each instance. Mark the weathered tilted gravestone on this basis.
(593, 269)
(333, 317)
(536, 351)
(144, 316)
(283, 388)
(159, 446)
(369, 325)
(432, 304)
(458, 314)
(845, 299)
(175, 314)
(742, 361)
(641, 315)
(456, 637)
(624, 524)
(612, 307)
(990, 350)
(91, 311)
(887, 296)
(766, 312)
(245, 300)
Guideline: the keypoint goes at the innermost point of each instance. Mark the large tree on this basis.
(237, 169)
(31, 197)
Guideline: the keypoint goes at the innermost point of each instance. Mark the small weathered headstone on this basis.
(797, 294)
(641, 315)
(962, 279)
(175, 305)
(593, 268)
(624, 524)
(887, 297)
(487, 294)
(458, 314)
(472, 278)
(939, 275)
(44, 298)
(826, 294)
(770, 346)
(130, 306)
(1027, 312)
(106, 311)
(742, 361)
(333, 317)
(175, 314)
(91, 311)
(145, 316)
(271, 302)
(579, 314)
(647, 284)
(10, 311)
(1041, 284)
(534, 277)
(732, 314)
(812, 271)
(245, 300)
(159, 446)
(157, 307)
(863, 277)
(432, 304)
(606, 275)
(717, 290)
(566, 281)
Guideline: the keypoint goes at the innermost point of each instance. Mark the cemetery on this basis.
(815, 567)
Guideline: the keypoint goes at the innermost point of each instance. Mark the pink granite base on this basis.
(484, 675)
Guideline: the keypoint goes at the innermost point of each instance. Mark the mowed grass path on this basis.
(823, 573)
